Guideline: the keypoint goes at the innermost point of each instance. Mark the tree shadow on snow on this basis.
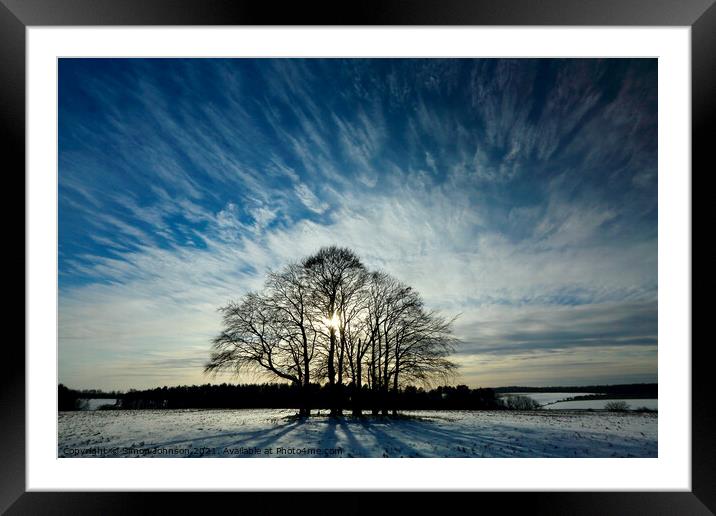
(265, 437)
(356, 448)
(391, 445)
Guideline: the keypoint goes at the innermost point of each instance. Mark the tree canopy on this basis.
(327, 318)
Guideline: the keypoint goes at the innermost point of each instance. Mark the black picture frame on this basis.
(17, 15)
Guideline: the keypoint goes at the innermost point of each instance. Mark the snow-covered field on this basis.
(544, 398)
(651, 404)
(553, 401)
(274, 433)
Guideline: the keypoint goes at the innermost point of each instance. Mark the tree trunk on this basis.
(339, 384)
(332, 374)
(377, 399)
(385, 399)
(357, 387)
(306, 394)
(341, 355)
(305, 399)
(395, 386)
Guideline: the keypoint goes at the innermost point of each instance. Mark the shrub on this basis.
(616, 406)
(517, 402)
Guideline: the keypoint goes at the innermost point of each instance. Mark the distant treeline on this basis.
(628, 390)
(99, 394)
(276, 395)
(281, 395)
(68, 399)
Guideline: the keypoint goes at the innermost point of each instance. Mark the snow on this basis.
(547, 397)
(95, 403)
(553, 401)
(651, 404)
(276, 433)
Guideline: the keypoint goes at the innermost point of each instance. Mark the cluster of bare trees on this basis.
(329, 319)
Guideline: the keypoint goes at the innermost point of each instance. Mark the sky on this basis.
(520, 194)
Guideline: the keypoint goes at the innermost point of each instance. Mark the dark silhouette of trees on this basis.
(271, 332)
(254, 339)
(629, 390)
(66, 398)
(286, 395)
(329, 319)
(336, 276)
(72, 399)
(290, 304)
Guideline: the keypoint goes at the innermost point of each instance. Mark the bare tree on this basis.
(270, 332)
(406, 342)
(252, 340)
(423, 343)
(335, 275)
(289, 302)
(378, 288)
(328, 318)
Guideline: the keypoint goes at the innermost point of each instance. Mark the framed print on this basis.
(444, 248)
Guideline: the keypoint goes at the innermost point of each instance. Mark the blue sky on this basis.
(521, 194)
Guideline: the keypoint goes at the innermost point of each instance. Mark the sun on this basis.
(333, 322)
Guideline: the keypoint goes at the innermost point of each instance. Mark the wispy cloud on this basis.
(519, 193)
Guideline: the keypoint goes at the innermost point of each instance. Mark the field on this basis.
(544, 398)
(651, 404)
(276, 433)
(560, 401)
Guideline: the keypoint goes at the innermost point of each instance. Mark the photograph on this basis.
(357, 257)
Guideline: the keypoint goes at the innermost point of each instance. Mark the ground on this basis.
(277, 433)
